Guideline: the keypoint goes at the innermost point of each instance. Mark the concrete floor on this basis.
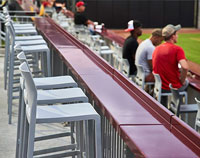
(8, 132)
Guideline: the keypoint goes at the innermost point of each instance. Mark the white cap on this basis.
(130, 26)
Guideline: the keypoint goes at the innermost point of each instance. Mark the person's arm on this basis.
(134, 47)
(184, 70)
(89, 22)
(150, 51)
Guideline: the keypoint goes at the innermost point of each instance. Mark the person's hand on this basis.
(182, 80)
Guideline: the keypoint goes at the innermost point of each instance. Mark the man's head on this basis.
(169, 32)
(156, 37)
(134, 27)
(80, 6)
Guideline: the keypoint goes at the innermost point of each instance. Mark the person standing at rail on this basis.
(131, 44)
(80, 18)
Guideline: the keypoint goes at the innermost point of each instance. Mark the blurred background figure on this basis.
(80, 18)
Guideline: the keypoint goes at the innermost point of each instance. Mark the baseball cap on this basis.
(170, 29)
(157, 32)
(80, 3)
(133, 24)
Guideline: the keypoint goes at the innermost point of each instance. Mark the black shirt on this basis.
(80, 18)
(129, 50)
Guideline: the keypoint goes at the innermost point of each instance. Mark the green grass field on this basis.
(189, 42)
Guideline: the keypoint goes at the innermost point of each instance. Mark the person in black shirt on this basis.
(80, 18)
(131, 44)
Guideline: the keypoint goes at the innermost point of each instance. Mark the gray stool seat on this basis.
(60, 96)
(106, 52)
(21, 25)
(104, 48)
(30, 42)
(35, 37)
(54, 82)
(57, 112)
(24, 32)
(24, 27)
(189, 108)
(32, 49)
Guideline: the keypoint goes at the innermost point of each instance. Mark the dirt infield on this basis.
(193, 66)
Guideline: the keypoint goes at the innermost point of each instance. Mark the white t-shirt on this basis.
(143, 54)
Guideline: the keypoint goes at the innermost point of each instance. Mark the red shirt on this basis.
(165, 63)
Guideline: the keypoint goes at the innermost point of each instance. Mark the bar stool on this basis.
(6, 17)
(35, 49)
(107, 55)
(177, 105)
(157, 88)
(93, 42)
(140, 77)
(117, 57)
(158, 91)
(126, 69)
(197, 122)
(49, 83)
(22, 29)
(36, 114)
(27, 50)
(78, 96)
(10, 32)
(41, 83)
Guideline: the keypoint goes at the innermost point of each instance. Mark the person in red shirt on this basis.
(166, 58)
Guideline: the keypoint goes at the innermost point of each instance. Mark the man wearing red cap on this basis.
(80, 18)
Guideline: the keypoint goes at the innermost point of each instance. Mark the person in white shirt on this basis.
(144, 53)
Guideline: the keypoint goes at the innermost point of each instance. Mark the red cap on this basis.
(80, 3)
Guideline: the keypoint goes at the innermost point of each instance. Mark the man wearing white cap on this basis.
(166, 58)
(131, 44)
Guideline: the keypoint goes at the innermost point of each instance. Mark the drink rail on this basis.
(129, 116)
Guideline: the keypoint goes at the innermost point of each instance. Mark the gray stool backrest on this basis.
(176, 100)
(31, 91)
(10, 32)
(22, 58)
(125, 67)
(140, 77)
(197, 122)
(157, 87)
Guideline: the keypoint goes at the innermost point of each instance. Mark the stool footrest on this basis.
(57, 149)
(53, 136)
